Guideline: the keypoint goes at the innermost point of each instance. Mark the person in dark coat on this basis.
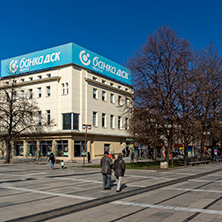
(106, 170)
(89, 157)
(119, 168)
(52, 161)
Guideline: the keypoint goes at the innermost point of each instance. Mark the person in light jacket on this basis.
(106, 170)
(119, 168)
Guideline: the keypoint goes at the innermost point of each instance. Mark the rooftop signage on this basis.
(62, 55)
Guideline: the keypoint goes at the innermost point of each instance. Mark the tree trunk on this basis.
(8, 152)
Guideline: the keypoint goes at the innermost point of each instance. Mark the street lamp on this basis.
(89, 127)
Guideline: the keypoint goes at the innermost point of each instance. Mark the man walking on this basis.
(119, 168)
(106, 170)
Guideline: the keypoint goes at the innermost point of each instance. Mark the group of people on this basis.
(107, 166)
(106, 169)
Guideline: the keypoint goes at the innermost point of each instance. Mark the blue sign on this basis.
(62, 55)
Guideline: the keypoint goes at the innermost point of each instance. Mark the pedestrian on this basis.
(52, 161)
(132, 157)
(89, 157)
(119, 168)
(106, 170)
(62, 163)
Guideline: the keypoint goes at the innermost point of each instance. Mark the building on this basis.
(73, 86)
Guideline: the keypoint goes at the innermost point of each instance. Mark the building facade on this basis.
(73, 87)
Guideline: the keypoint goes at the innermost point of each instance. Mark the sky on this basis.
(113, 29)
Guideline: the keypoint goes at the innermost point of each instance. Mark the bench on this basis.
(198, 161)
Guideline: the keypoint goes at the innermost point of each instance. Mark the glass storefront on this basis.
(62, 148)
(18, 148)
(31, 148)
(79, 148)
(45, 148)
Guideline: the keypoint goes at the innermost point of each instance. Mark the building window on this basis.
(30, 78)
(62, 148)
(94, 78)
(126, 123)
(103, 81)
(31, 119)
(119, 122)
(119, 87)
(67, 88)
(39, 92)
(45, 148)
(48, 117)
(18, 148)
(30, 94)
(111, 84)
(112, 121)
(14, 96)
(22, 94)
(49, 75)
(32, 148)
(95, 92)
(79, 148)
(48, 91)
(22, 80)
(103, 96)
(112, 98)
(39, 77)
(70, 121)
(127, 102)
(95, 119)
(103, 120)
(106, 147)
(119, 100)
(39, 118)
(63, 89)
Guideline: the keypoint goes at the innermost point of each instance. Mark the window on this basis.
(119, 122)
(30, 78)
(14, 95)
(103, 81)
(95, 92)
(95, 119)
(127, 102)
(106, 147)
(62, 148)
(94, 78)
(112, 98)
(67, 88)
(22, 94)
(32, 148)
(31, 120)
(119, 100)
(39, 92)
(48, 91)
(18, 148)
(79, 148)
(48, 117)
(111, 84)
(45, 148)
(30, 94)
(63, 89)
(22, 80)
(126, 123)
(112, 121)
(119, 87)
(103, 120)
(39, 118)
(49, 75)
(39, 77)
(103, 96)
(70, 121)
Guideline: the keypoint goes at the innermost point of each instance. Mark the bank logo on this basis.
(84, 58)
(13, 66)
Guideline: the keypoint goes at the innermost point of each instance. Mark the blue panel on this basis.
(95, 62)
(44, 59)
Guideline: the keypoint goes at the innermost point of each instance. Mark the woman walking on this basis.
(52, 161)
(119, 168)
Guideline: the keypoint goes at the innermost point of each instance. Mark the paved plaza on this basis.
(33, 192)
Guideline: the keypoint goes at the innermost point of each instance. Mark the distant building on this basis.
(73, 86)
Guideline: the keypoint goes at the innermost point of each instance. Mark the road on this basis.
(30, 192)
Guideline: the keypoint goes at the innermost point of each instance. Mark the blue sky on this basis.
(113, 29)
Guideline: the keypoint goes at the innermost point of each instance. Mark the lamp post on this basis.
(89, 127)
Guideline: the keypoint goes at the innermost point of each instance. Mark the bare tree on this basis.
(156, 69)
(20, 115)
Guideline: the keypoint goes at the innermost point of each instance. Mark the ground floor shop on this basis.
(67, 147)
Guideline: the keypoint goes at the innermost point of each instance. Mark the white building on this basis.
(74, 86)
